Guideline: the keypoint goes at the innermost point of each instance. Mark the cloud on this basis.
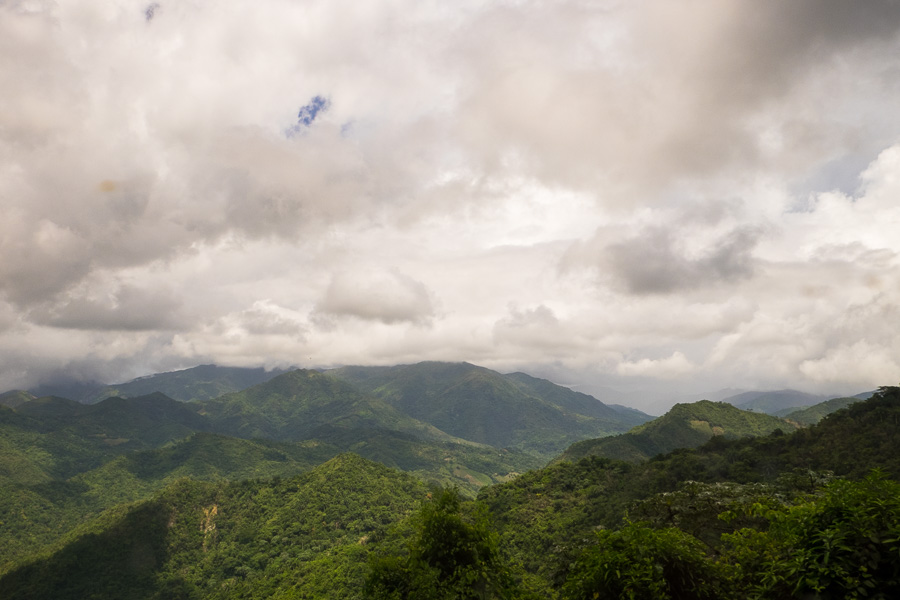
(611, 191)
(387, 296)
(675, 366)
(659, 260)
(127, 307)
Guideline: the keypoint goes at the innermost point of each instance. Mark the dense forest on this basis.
(153, 498)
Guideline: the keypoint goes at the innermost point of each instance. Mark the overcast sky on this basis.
(671, 195)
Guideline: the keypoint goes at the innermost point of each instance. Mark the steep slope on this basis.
(481, 405)
(297, 537)
(195, 384)
(294, 405)
(684, 426)
(817, 412)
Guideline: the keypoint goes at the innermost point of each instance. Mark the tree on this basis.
(638, 562)
(844, 543)
(450, 556)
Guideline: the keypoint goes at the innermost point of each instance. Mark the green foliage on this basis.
(477, 404)
(817, 412)
(196, 384)
(307, 536)
(684, 426)
(842, 543)
(638, 562)
(735, 518)
(295, 405)
(449, 556)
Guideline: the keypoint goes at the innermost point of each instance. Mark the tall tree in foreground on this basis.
(450, 556)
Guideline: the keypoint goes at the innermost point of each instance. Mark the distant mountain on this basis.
(684, 426)
(199, 383)
(294, 405)
(14, 398)
(73, 389)
(817, 412)
(772, 402)
(481, 405)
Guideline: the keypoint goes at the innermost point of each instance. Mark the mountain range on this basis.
(70, 468)
(227, 518)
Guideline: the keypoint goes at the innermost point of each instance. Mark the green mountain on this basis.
(817, 412)
(301, 537)
(14, 398)
(684, 426)
(560, 529)
(36, 512)
(451, 464)
(62, 462)
(203, 382)
(477, 404)
(773, 402)
(546, 515)
(54, 438)
(293, 406)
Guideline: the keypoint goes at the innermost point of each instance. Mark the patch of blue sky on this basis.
(308, 113)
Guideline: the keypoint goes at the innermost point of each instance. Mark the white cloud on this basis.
(675, 366)
(615, 191)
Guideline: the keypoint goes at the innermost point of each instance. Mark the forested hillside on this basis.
(817, 412)
(477, 404)
(202, 382)
(304, 536)
(777, 516)
(684, 426)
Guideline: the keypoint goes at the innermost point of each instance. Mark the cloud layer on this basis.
(606, 193)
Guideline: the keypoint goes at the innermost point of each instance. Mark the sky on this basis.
(659, 197)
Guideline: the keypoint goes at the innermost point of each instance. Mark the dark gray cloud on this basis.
(654, 262)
